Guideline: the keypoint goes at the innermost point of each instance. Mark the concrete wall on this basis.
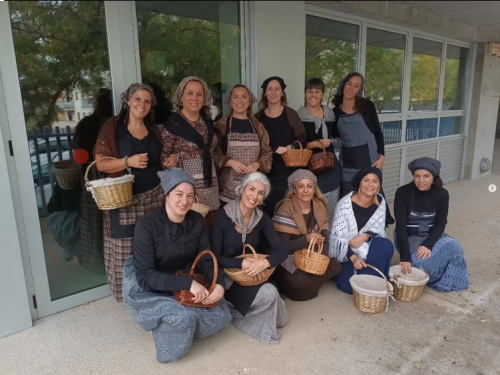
(484, 112)
(279, 45)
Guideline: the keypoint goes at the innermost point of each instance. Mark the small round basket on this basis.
(201, 208)
(311, 261)
(243, 279)
(371, 293)
(409, 287)
(67, 174)
(297, 158)
(111, 193)
(185, 297)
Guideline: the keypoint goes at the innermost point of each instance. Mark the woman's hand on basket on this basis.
(250, 168)
(423, 252)
(139, 161)
(358, 240)
(281, 150)
(319, 238)
(237, 166)
(171, 161)
(199, 291)
(357, 262)
(405, 267)
(254, 267)
(325, 142)
(215, 296)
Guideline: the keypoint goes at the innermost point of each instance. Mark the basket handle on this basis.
(216, 267)
(196, 198)
(95, 161)
(311, 244)
(251, 248)
(300, 144)
(318, 245)
(385, 278)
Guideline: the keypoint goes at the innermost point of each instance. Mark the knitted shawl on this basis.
(344, 228)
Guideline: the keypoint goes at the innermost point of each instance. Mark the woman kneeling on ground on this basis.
(358, 230)
(299, 218)
(166, 241)
(257, 310)
(421, 209)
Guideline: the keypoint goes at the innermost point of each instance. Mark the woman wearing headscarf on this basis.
(243, 143)
(318, 121)
(189, 139)
(257, 310)
(301, 217)
(167, 240)
(358, 235)
(135, 143)
(284, 127)
(421, 210)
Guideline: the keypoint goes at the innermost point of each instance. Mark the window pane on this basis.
(331, 51)
(385, 54)
(424, 87)
(392, 131)
(455, 77)
(185, 38)
(421, 129)
(451, 125)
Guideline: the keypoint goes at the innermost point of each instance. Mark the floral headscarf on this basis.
(127, 94)
(177, 101)
(252, 97)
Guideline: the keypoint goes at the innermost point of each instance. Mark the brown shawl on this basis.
(289, 218)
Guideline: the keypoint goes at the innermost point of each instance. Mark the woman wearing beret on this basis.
(133, 140)
(421, 210)
(257, 310)
(243, 143)
(358, 235)
(284, 127)
(301, 217)
(166, 242)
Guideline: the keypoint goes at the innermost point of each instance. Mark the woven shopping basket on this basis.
(371, 293)
(185, 297)
(409, 287)
(111, 193)
(242, 278)
(67, 174)
(320, 163)
(311, 261)
(201, 208)
(297, 158)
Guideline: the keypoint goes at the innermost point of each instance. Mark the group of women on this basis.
(236, 168)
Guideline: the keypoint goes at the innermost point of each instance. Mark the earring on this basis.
(128, 108)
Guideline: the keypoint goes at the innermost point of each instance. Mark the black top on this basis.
(226, 241)
(432, 200)
(280, 135)
(371, 120)
(237, 126)
(86, 133)
(296, 242)
(162, 248)
(362, 215)
(145, 179)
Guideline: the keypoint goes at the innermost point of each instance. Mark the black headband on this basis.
(274, 78)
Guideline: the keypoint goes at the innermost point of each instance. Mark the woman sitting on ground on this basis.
(357, 237)
(257, 310)
(421, 209)
(299, 218)
(166, 241)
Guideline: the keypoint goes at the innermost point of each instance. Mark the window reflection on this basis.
(455, 77)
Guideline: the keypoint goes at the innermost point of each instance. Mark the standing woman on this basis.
(318, 121)
(421, 210)
(243, 143)
(189, 140)
(284, 127)
(133, 139)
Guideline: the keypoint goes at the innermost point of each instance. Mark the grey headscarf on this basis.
(234, 213)
(429, 164)
(127, 94)
(319, 123)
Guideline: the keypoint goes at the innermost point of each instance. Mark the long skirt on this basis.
(332, 198)
(174, 326)
(446, 267)
(266, 314)
(119, 226)
(379, 256)
(303, 286)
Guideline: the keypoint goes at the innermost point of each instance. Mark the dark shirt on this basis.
(147, 178)
(227, 244)
(296, 242)
(162, 248)
(432, 200)
(362, 215)
(237, 126)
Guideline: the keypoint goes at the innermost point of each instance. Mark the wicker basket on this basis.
(311, 261)
(201, 208)
(409, 287)
(67, 174)
(320, 163)
(297, 158)
(111, 193)
(369, 292)
(185, 297)
(242, 278)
